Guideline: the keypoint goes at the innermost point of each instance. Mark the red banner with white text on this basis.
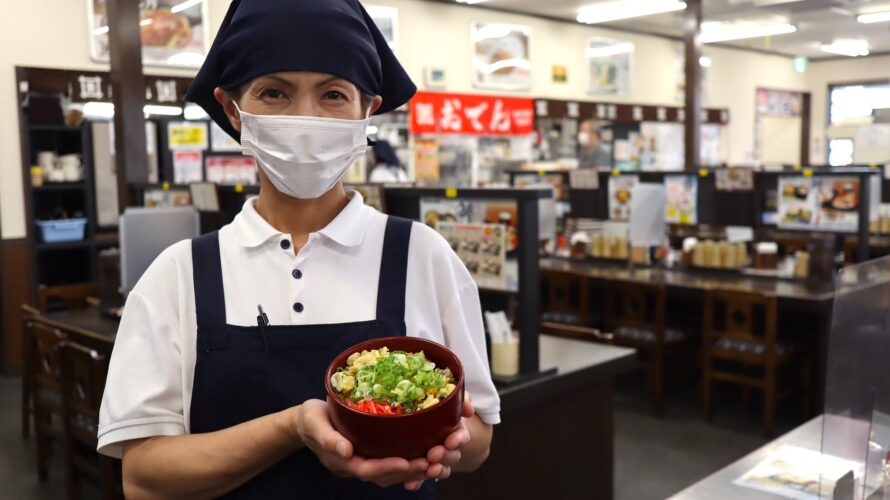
(441, 113)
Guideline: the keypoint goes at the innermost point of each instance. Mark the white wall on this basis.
(820, 75)
(53, 33)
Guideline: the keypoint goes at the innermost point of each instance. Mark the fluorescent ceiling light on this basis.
(194, 112)
(155, 109)
(502, 64)
(188, 4)
(850, 48)
(743, 32)
(626, 9)
(877, 17)
(497, 30)
(105, 110)
(98, 110)
(471, 2)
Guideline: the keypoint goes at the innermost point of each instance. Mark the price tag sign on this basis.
(239, 188)
(165, 186)
(807, 172)
(703, 172)
(451, 192)
(616, 172)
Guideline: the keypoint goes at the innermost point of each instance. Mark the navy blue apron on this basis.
(236, 380)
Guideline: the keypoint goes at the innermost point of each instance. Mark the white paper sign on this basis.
(739, 234)
(647, 224)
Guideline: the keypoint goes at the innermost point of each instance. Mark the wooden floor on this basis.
(654, 457)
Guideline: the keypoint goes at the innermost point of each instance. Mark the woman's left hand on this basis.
(447, 455)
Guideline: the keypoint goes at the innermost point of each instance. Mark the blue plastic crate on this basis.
(57, 231)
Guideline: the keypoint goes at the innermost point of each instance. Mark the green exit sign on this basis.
(800, 64)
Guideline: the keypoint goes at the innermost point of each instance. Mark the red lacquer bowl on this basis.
(408, 436)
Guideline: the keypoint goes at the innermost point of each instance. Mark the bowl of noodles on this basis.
(395, 396)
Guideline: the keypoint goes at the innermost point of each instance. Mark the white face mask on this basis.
(303, 156)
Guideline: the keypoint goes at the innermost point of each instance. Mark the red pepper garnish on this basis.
(376, 408)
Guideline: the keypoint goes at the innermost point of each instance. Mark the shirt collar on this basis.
(347, 228)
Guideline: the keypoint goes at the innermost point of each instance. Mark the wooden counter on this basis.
(691, 280)
(556, 436)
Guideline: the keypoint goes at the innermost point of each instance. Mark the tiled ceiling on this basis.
(818, 21)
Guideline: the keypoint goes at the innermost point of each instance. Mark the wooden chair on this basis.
(28, 314)
(77, 296)
(636, 316)
(564, 306)
(83, 382)
(740, 330)
(45, 388)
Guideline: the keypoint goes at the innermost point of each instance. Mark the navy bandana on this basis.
(259, 37)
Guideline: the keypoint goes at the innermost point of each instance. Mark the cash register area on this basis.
(677, 215)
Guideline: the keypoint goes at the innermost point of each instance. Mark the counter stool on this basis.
(740, 331)
(636, 316)
(83, 381)
(45, 388)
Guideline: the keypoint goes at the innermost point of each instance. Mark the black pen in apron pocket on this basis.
(262, 322)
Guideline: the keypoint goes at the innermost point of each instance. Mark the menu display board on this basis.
(501, 56)
(187, 135)
(231, 170)
(734, 179)
(173, 32)
(620, 189)
(482, 248)
(682, 199)
(610, 66)
(556, 180)
(819, 203)
(188, 166)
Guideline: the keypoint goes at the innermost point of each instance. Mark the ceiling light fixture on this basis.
(744, 32)
(876, 17)
(849, 48)
(626, 9)
(471, 2)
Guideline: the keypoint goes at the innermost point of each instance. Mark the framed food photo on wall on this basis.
(501, 56)
(173, 32)
(610, 63)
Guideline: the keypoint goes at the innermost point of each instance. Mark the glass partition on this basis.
(857, 393)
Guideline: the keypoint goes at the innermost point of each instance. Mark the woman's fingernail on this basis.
(341, 449)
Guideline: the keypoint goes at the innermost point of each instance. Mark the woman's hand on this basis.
(313, 426)
(447, 455)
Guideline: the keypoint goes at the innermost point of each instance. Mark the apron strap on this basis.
(210, 300)
(394, 269)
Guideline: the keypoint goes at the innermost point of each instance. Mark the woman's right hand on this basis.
(312, 423)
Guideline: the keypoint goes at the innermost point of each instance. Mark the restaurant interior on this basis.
(677, 215)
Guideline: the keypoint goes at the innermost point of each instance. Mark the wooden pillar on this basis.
(128, 95)
(805, 127)
(691, 31)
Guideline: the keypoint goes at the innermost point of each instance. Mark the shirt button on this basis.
(297, 274)
(285, 244)
(298, 307)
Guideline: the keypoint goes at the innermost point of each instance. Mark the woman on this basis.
(200, 402)
(387, 167)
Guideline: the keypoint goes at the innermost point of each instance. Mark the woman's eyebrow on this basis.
(278, 79)
(329, 80)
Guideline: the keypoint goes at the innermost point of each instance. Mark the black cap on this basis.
(338, 37)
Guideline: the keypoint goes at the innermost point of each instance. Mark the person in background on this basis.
(386, 165)
(593, 153)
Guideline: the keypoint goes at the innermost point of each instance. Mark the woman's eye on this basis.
(273, 94)
(335, 95)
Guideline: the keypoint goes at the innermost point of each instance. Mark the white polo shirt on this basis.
(149, 387)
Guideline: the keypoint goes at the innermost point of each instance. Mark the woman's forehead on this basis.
(299, 79)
